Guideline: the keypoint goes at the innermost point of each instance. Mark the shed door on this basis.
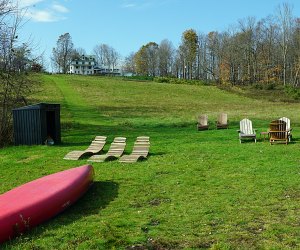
(50, 116)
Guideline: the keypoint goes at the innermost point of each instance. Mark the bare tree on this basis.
(106, 56)
(62, 54)
(16, 61)
(100, 51)
(114, 57)
(165, 57)
(129, 64)
(286, 23)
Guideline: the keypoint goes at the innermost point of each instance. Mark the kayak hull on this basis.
(37, 201)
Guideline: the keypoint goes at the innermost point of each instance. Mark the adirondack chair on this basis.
(288, 127)
(115, 150)
(95, 147)
(202, 122)
(222, 121)
(278, 132)
(140, 150)
(246, 131)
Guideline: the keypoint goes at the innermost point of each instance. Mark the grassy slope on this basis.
(196, 190)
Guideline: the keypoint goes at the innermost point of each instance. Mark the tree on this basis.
(165, 57)
(62, 54)
(15, 63)
(286, 23)
(146, 59)
(106, 56)
(188, 51)
(152, 58)
(129, 65)
(296, 46)
(100, 52)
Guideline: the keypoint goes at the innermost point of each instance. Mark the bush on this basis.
(174, 80)
(138, 78)
(162, 79)
(270, 86)
(292, 92)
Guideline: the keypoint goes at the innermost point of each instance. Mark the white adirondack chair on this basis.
(246, 131)
(288, 127)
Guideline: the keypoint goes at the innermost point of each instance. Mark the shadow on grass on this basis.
(100, 194)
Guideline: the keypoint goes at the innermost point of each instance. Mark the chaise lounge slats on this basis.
(95, 147)
(140, 150)
(116, 149)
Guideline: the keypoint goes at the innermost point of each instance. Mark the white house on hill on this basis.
(83, 66)
(87, 65)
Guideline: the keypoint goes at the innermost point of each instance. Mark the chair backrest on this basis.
(100, 138)
(222, 118)
(203, 120)
(278, 129)
(246, 126)
(287, 121)
(117, 147)
(141, 146)
(97, 144)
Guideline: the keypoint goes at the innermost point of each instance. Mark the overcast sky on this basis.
(126, 25)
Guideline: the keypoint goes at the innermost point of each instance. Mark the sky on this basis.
(126, 25)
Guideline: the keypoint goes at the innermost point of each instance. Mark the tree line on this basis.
(252, 51)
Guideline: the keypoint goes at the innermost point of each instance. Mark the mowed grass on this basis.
(196, 190)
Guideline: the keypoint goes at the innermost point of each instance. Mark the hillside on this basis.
(195, 190)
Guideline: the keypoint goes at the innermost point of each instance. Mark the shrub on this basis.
(292, 92)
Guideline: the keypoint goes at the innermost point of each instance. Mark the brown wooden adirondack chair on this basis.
(95, 147)
(278, 132)
(115, 150)
(222, 121)
(202, 122)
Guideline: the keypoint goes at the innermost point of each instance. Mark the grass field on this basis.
(196, 190)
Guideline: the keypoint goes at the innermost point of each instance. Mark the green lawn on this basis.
(196, 190)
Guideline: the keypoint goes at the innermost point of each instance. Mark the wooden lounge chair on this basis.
(278, 132)
(115, 150)
(140, 150)
(288, 127)
(202, 122)
(222, 121)
(95, 147)
(246, 131)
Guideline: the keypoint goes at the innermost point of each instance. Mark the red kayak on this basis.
(37, 201)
